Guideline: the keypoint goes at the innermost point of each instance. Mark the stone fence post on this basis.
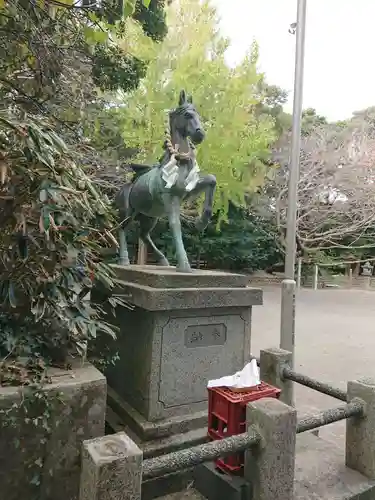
(272, 362)
(360, 431)
(111, 469)
(270, 465)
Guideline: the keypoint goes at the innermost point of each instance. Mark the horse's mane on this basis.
(139, 169)
(182, 108)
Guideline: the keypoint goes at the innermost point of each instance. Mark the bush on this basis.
(243, 241)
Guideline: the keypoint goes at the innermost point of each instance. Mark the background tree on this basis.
(192, 57)
(336, 202)
(271, 103)
(311, 120)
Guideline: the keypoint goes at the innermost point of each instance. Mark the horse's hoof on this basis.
(185, 268)
(203, 221)
(123, 262)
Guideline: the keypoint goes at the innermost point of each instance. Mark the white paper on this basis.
(247, 377)
(193, 178)
(170, 172)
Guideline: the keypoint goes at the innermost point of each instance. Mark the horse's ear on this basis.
(190, 99)
(182, 98)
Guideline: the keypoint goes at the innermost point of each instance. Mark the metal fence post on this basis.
(287, 323)
(272, 362)
(299, 271)
(360, 431)
(291, 223)
(269, 466)
(111, 468)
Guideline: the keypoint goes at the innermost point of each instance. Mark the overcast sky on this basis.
(340, 48)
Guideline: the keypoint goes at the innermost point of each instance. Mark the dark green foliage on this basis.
(104, 127)
(152, 19)
(110, 11)
(112, 69)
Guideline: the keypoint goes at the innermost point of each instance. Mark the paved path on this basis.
(335, 340)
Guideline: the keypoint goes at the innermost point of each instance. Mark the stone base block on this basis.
(215, 485)
(187, 494)
(155, 438)
(162, 428)
(174, 443)
(167, 358)
(172, 486)
(169, 277)
(41, 460)
(183, 330)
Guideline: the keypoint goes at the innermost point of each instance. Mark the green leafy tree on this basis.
(192, 57)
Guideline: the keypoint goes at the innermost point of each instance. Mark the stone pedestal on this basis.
(184, 330)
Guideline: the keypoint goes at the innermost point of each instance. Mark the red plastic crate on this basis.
(227, 417)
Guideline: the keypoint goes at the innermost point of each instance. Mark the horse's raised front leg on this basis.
(173, 208)
(207, 185)
(147, 224)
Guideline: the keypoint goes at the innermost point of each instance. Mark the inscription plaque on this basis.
(205, 335)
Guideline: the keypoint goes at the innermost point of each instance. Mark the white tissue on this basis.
(247, 377)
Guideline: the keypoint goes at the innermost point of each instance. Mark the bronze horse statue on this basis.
(159, 190)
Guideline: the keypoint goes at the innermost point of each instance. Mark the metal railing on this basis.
(355, 408)
(301, 379)
(311, 383)
(190, 457)
(179, 460)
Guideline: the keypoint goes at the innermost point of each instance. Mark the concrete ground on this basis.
(335, 341)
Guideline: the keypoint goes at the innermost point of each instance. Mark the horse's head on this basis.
(186, 121)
